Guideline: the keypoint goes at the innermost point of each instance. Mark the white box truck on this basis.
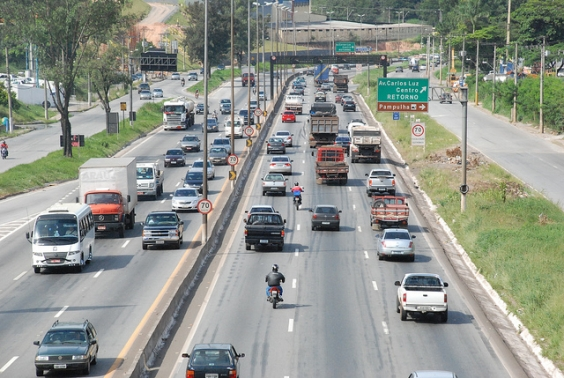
(109, 187)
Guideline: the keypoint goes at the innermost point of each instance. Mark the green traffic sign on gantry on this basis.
(403, 90)
(345, 47)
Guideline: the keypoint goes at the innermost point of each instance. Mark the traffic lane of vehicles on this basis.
(318, 324)
(107, 257)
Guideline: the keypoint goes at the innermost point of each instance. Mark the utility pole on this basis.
(232, 57)
(514, 118)
(477, 71)
(508, 30)
(494, 78)
(543, 52)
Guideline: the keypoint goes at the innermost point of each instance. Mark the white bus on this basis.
(62, 236)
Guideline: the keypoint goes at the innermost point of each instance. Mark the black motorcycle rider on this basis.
(182, 82)
(274, 279)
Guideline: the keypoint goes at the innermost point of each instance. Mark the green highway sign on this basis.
(344, 47)
(395, 94)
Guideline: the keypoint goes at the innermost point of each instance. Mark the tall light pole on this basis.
(232, 57)
(360, 16)
(263, 66)
(257, 84)
(332, 33)
(543, 54)
(249, 63)
(464, 186)
(205, 125)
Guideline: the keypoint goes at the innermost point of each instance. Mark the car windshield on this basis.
(161, 219)
(211, 357)
(174, 152)
(190, 139)
(218, 150)
(280, 159)
(274, 178)
(261, 210)
(275, 140)
(64, 337)
(225, 101)
(397, 235)
(186, 193)
(380, 173)
(194, 176)
(221, 141)
(325, 210)
(282, 133)
(265, 219)
(199, 164)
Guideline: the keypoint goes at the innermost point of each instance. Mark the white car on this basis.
(185, 199)
(354, 123)
(253, 105)
(262, 96)
(280, 164)
(198, 166)
(237, 128)
(285, 135)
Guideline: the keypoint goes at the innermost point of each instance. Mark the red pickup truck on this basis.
(245, 79)
(389, 211)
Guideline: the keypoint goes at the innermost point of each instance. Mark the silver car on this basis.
(432, 374)
(395, 242)
(190, 143)
(280, 164)
(218, 155)
(158, 93)
(285, 135)
(185, 199)
(145, 95)
(198, 166)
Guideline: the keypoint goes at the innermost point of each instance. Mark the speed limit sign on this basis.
(258, 112)
(418, 134)
(232, 160)
(249, 131)
(205, 206)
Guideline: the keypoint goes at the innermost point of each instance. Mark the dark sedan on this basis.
(213, 360)
(325, 216)
(218, 155)
(194, 180)
(349, 106)
(174, 158)
(275, 145)
(200, 108)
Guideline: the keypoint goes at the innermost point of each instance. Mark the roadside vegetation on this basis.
(512, 234)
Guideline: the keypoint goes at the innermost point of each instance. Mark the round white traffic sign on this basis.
(418, 130)
(258, 112)
(205, 206)
(233, 160)
(249, 131)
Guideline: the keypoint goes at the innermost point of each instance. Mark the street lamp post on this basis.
(205, 124)
(464, 186)
(232, 58)
(249, 62)
(332, 33)
(360, 16)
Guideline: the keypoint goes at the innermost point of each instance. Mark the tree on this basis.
(61, 31)
(219, 30)
(538, 18)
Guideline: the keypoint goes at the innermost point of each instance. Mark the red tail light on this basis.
(369, 181)
(268, 144)
(314, 216)
(337, 217)
(288, 165)
(282, 233)
(404, 297)
(445, 298)
(273, 164)
(410, 244)
(189, 373)
(393, 182)
(245, 232)
(283, 145)
(233, 373)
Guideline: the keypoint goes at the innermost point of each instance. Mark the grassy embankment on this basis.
(513, 235)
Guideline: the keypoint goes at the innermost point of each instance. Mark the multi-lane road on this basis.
(338, 317)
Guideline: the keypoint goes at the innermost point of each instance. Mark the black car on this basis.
(399, 69)
(349, 106)
(309, 72)
(200, 108)
(174, 158)
(344, 141)
(194, 180)
(143, 87)
(67, 346)
(445, 98)
(213, 360)
(243, 114)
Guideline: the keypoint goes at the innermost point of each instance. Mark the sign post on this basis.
(399, 94)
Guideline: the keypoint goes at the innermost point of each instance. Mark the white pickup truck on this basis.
(380, 181)
(420, 294)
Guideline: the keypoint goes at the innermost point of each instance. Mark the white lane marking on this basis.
(385, 327)
(5, 367)
(163, 200)
(303, 161)
(19, 276)
(61, 312)
(98, 273)
(354, 207)
(286, 376)
(296, 251)
(125, 244)
(297, 227)
(291, 325)
(176, 186)
(366, 255)
(375, 285)
(350, 189)
(359, 229)
(294, 282)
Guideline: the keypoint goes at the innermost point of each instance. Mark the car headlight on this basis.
(167, 159)
(41, 358)
(79, 357)
(73, 253)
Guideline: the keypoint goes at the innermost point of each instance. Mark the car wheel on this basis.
(95, 359)
(247, 246)
(178, 244)
(39, 372)
(121, 232)
(412, 258)
(337, 228)
(86, 370)
(263, 193)
(312, 227)
(397, 305)
(144, 246)
(280, 247)
(37, 269)
(380, 257)
(444, 316)
(403, 314)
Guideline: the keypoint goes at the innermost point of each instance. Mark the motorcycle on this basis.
(4, 152)
(297, 201)
(182, 82)
(274, 297)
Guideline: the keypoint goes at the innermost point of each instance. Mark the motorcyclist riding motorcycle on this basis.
(4, 149)
(297, 191)
(182, 82)
(273, 279)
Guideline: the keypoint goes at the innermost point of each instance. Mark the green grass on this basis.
(56, 168)
(513, 235)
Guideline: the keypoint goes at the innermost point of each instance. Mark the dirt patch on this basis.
(152, 27)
